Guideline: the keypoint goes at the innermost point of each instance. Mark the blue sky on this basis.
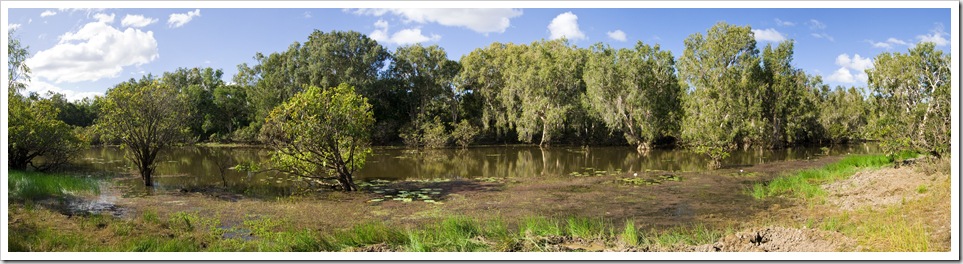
(83, 52)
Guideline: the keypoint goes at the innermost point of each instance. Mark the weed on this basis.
(36, 185)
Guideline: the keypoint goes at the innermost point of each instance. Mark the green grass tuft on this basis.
(37, 185)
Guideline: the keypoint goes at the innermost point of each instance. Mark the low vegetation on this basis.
(34, 185)
(191, 231)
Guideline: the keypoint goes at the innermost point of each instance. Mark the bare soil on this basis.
(878, 188)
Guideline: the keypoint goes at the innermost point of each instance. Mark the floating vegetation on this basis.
(650, 181)
(590, 172)
(743, 174)
(428, 195)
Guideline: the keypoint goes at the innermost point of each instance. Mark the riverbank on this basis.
(611, 211)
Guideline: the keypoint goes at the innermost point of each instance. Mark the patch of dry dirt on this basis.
(877, 188)
(781, 239)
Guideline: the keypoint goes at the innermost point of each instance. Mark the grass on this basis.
(193, 231)
(37, 185)
(806, 183)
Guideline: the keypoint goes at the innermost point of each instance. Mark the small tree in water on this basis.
(147, 117)
(321, 134)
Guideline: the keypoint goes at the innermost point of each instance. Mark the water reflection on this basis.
(192, 168)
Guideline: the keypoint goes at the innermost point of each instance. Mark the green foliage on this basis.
(35, 185)
(719, 70)
(912, 95)
(147, 117)
(321, 134)
(326, 59)
(427, 134)
(464, 133)
(634, 91)
(34, 132)
(18, 73)
(843, 114)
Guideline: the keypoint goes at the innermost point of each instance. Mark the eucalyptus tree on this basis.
(321, 134)
(634, 91)
(18, 73)
(427, 74)
(326, 59)
(789, 110)
(147, 116)
(198, 86)
(483, 71)
(913, 94)
(843, 114)
(542, 87)
(720, 71)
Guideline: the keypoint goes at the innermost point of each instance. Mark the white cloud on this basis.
(815, 24)
(137, 21)
(403, 37)
(823, 36)
(481, 20)
(565, 25)
(307, 14)
(856, 62)
(784, 23)
(42, 88)
(48, 13)
(842, 75)
(104, 18)
(881, 45)
(617, 35)
(177, 20)
(96, 51)
(769, 34)
(897, 41)
(13, 26)
(889, 43)
(848, 64)
(936, 37)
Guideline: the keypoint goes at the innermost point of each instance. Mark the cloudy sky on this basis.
(83, 52)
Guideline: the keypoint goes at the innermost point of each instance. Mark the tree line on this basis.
(724, 92)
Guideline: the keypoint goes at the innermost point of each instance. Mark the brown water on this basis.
(210, 168)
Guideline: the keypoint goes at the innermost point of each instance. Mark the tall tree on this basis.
(913, 95)
(18, 73)
(789, 107)
(843, 114)
(483, 71)
(719, 70)
(198, 85)
(634, 91)
(326, 59)
(427, 76)
(321, 134)
(147, 116)
(542, 87)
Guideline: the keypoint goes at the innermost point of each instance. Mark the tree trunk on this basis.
(345, 182)
(146, 174)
